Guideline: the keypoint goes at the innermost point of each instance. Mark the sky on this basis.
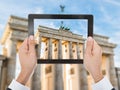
(106, 15)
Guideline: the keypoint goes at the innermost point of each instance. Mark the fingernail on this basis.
(31, 37)
(89, 38)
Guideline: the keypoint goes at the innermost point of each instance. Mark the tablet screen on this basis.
(61, 36)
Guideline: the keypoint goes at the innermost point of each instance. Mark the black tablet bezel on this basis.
(88, 17)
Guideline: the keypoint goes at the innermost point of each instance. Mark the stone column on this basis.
(36, 78)
(4, 76)
(70, 50)
(83, 78)
(78, 50)
(11, 62)
(82, 72)
(60, 49)
(0, 72)
(113, 77)
(58, 78)
(78, 66)
(50, 49)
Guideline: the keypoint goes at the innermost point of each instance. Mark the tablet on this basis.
(32, 17)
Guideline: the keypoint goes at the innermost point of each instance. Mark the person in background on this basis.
(92, 62)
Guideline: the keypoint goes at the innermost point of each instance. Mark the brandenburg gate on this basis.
(53, 44)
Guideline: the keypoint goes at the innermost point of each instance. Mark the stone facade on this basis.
(118, 76)
(56, 44)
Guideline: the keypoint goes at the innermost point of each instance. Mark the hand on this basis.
(28, 59)
(93, 59)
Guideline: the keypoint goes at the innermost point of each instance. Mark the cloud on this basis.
(46, 23)
(52, 25)
(1, 26)
(108, 20)
(38, 10)
(117, 57)
(113, 2)
(116, 39)
(98, 30)
(1, 29)
(76, 31)
(106, 13)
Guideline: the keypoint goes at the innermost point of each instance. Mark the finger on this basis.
(89, 45)
(96, 47)
(25, 44)
(31, 43)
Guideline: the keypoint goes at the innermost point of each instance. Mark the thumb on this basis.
(89, 45)
(31, 43)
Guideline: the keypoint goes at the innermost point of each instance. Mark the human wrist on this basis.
(23, 77)
(97, 76)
